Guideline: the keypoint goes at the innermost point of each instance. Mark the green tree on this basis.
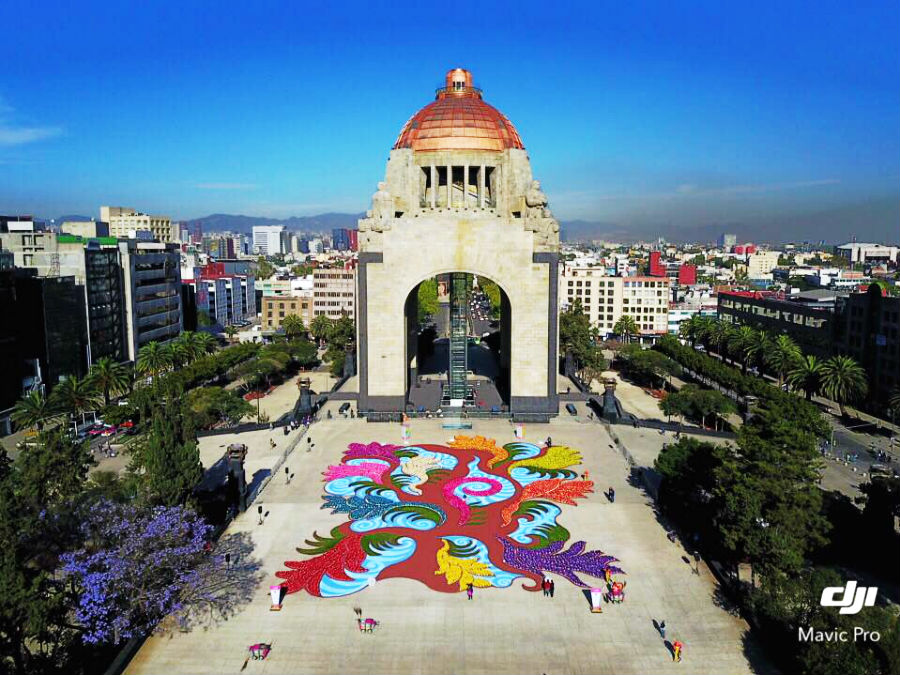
(110, 377)
(293, 325)
(718, 336)
(742, 345)
(843, 380)
(192, 345)
(783, 357)
(212, 405)
(54, 469)
(647, 366)
(75, 395)
(152, 359)
(230, 333)
(771, 504)
(36, 503)
(626, 327)
(208, 342)
(169, 455)
(806, 375)
(492, 291)
(264, 269)
(33, 411)
(320, 327)
(894, 402)
(693, 329)
(427, 299)
(696, 403)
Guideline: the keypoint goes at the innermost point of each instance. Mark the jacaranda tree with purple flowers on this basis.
(136, 567)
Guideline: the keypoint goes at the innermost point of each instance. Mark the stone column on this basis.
(449, 186)
(481, 187)
(433, 175)
(465, 186)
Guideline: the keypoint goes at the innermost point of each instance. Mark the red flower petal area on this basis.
(477, 528)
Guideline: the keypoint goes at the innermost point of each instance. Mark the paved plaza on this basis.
(502, 630)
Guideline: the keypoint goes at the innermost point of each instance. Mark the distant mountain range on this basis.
(325, 222)
(875, 220)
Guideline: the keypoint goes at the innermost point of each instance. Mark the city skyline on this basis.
(636, 117)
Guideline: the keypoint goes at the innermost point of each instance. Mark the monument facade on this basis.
(458, 197)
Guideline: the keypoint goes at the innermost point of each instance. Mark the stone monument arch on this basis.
(458, 197)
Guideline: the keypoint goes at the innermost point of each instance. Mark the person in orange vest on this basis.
(677, 648)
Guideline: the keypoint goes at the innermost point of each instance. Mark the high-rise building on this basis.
(223, 293)
(267, 239)
(353, 236)
(125, 223)
(727, 241)
(606, 299)
(334, 292)
(50, 323)
(340, 239)
(869, 331)
(152, 283)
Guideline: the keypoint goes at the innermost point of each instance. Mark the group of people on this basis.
(677, 645)
(548, 586)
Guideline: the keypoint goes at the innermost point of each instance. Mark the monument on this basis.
(458, 198)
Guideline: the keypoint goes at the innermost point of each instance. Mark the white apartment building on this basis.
(606, 298)
(761, 263)
(124, 223)
(865, 253)
(334, 292)
(268, 239)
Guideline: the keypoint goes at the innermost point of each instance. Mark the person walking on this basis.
(612, 495)
(677, 649)
(470, 591)
(545, 586)
(552, 587)
(662, 629)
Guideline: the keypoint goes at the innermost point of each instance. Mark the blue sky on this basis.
(669, 112)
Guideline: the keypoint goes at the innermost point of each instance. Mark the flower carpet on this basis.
(466, 513)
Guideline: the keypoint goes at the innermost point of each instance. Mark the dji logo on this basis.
(852, 598)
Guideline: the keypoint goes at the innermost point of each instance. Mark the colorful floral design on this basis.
(483, 515)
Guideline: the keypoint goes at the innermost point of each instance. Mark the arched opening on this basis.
(458, 344)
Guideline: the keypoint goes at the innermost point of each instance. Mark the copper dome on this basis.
(459, 120)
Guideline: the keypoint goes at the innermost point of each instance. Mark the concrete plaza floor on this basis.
(502, 630)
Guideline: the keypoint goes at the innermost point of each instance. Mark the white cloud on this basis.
(12, 135)
(16, 134)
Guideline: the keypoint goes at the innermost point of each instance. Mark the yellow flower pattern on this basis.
(483, 444)
(556, 457)
(463, 570)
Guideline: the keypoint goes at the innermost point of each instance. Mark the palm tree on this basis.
(691, 329)
(231, 332)
(784, 355)
(741, 345)
(806, 375)
(320, 327)
(153, 359)
(190, 343)
(625, 327)
(178, 353)
(843, 380)
(75, 395)
(208, 342)
(894, 401)
(110, 377)
(32, 411)
(293, 325)
(758, 348)
(719, 332)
